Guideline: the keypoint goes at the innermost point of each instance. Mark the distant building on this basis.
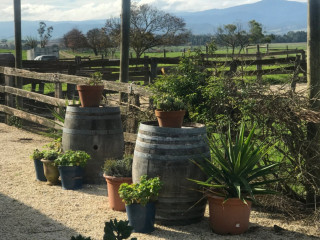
(50, 50)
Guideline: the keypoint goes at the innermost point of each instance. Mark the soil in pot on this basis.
(51, 172)
(113, 184)
(141, 218)
(38, 166)
(71, 177)
(230, 217)
(171, 119)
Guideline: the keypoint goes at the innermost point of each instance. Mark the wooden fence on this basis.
(11, 94)
(142, 70)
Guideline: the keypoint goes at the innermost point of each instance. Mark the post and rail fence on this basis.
(141, 73)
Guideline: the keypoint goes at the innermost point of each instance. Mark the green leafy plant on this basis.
(36, 155)
(167, 103)
(235, 171)
(50, 154)
(72, 158)
(115, 230)
(118, 168)
(96, 79)
(80, 237)
(145, 191)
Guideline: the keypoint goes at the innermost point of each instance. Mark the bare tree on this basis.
(150, 27)
(232, 36)
(31, 42)
(44, 33)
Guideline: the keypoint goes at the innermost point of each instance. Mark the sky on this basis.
(78, 10)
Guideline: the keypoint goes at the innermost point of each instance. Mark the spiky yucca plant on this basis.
(235, 169)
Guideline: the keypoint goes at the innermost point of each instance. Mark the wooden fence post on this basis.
(295, 76)
(9, 101)
(147, 71)
(71, 88)
(259, 66)
(164, 53)
(153, 69)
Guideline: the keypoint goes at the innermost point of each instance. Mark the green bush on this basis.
(50, 154)
(145, 191)
(73, 158)
(118, 168)
(37, 155)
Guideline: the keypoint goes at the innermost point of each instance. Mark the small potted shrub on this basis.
(38, 165)
(140, 202)
(117, 172)
(50, 170)
(169, 111)
(90, 94)
(117, 230)
(235, 174)
(71, 167)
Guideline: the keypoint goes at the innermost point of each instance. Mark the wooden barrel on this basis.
(166, 152)
(96, 130)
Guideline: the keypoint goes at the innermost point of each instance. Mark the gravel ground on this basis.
(32, 210)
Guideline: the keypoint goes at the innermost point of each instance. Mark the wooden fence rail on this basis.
(57, 79)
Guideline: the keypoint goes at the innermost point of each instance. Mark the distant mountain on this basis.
(277, 16)
(29, 28)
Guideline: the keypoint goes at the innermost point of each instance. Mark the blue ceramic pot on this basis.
(38, 166)
(71, 177)
(141, 218)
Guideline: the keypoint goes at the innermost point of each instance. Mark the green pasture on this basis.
(24, 52)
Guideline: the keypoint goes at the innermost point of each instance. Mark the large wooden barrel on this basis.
(96, 130)
(166, 152)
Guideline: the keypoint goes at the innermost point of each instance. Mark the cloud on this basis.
(76, 10)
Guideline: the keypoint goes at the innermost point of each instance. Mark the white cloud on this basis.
(56, 10)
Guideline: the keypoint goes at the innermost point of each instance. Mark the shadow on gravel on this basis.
(202, 231)
(21, 222)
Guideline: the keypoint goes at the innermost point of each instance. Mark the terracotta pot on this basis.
(113, 184)
(171, 119)
(230, 217)
(90, 96)
(50, 171)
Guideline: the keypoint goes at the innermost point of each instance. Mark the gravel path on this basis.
(32, 210)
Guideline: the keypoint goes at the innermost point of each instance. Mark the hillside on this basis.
(277, 16)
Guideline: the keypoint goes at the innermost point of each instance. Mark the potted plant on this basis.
(169, 111)
(71, 167)
(117, 172)
(50, 170)
(90, 94)
(140, 202)
(235, 174)
(38, 165)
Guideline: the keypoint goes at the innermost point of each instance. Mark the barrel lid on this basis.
(186, 128)
(102, 109)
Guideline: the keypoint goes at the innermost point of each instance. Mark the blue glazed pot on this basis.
(71, 177)
(38, 166)
(141, 218)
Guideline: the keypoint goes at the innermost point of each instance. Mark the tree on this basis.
(44, 33)
(150, 27)
(75, 39)
(255, 30)
(31, 42)
(100, 41)
(232, 36)
(94, 39)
